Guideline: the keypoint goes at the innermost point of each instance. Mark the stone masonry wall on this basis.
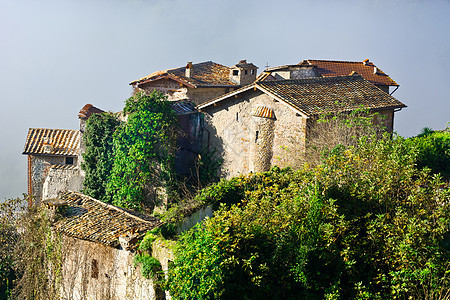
(233, 133)
(39, 167)
(62, 178)
(95, 271)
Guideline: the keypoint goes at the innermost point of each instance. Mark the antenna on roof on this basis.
(267, 65)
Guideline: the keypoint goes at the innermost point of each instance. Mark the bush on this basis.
(366, 223)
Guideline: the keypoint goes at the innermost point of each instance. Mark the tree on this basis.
(98, 155)
(144, 148)
(10, 210)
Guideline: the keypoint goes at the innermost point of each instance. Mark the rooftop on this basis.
(313, 96)
(60, 142)
(329, 68)
(88, 110)
(205, 74)
(89, 219)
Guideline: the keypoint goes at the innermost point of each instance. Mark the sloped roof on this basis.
(64, 142)
(183, 107)
(205, 74)
(329, 68)
(89, 219)
(88, 110)
(313, 96)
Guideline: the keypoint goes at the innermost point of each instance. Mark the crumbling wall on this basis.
(94, 271)
(38, 169)
(62, 178)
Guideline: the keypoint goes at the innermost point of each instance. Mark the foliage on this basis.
(98, 155)
(9, 236)
(434, 151)
(38, 257)
(150, 266)
(147, 241)
(366, 224)
(143, 152)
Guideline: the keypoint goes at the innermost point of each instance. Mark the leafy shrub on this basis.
(367, 224)
(150, 266)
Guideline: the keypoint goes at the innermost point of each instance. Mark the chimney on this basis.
(366, 62)
(376, 70)
(188, 72)
(47, 145)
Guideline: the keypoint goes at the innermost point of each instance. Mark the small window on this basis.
(94, 269)
(69, 160)
(246, 72)
(237, 117)
(235, 72)
(253, 72)
(256, 136)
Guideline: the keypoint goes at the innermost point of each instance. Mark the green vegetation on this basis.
(98, 155)
(434, 151)
(144, 149)
(367, 223)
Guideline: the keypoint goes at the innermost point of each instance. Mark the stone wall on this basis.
(173, 90)
(38, 169)
(95, 271)
(62, 178)
(233, 129)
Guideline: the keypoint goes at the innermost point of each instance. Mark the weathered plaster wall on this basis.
(38, 168)
(233, 129)
(95, 271)
(62, 178)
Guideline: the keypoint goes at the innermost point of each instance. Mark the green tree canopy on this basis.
(98, 155)
(144, 149)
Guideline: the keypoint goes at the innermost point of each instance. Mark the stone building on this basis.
(192, 85)
(99, 243)
(255, 125)
(53, 161)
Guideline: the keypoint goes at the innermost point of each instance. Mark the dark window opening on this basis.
(94, 269)
(246, 72)
(256, 136)
(237, 117)
(69, 160)
(253, 72)
(235, 72)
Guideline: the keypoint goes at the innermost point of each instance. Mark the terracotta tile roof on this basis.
(90, 219)
(205, 74)
(329, 68)
(61, 142)
(263, 112)
(63, 167)
(313, 96)
(88, 110)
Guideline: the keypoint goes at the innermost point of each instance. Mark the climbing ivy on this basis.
(144, 149)
(98, 155)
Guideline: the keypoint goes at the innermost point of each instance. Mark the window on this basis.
(69, 160)
(246, 72)
(237, 117)
(94, 269)
(256, 136)
(235, 72)
(253, 72)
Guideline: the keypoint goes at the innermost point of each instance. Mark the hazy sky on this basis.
(56, 56)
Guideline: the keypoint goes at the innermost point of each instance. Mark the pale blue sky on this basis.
(56, 56)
